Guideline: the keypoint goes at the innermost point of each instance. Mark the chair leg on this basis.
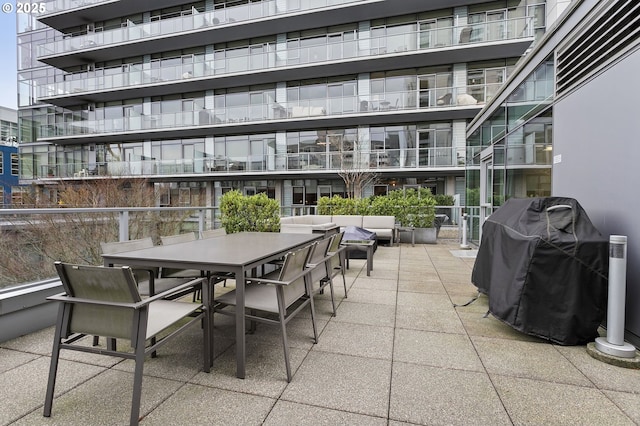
(53, 368)
(283, 328)
(344, 282)
(252, 323)
(313, 314)
(333, 300)
(139, 348)
(137, 385)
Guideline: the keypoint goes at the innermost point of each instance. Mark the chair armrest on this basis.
(276, 282)
(173, 290)
(62, 297)
(323, 260)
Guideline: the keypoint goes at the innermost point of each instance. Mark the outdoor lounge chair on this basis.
(284, 292)
(104, 301)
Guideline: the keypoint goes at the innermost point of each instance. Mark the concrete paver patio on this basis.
(398, 352)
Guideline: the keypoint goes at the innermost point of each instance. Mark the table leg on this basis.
(240, 342)
(208, 329)
(369, 259)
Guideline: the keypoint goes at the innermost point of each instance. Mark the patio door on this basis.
(324, 191)
(486, 186)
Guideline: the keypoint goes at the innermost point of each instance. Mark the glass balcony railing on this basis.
(265, 57)
(160, 26)
(407, 158)
(309, 109)
(57, 6)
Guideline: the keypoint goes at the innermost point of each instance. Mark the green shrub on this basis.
(410, 207)
(443, 200)
(257, 213)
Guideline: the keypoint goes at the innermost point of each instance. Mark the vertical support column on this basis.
(459, 80)
(123, 230)
(364, 91)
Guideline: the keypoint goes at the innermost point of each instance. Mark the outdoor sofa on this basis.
(383, 226)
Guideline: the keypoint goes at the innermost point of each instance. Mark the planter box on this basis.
(422, 236)
(25, 308)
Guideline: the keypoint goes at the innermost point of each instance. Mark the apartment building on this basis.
(564, 124)
(275, 96)
(9, 164)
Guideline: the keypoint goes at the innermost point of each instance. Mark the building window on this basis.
(1, 163)
(15, 165)
(1, 196)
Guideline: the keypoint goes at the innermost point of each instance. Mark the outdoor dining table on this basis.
(238, 253)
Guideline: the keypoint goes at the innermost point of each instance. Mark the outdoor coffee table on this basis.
(361, 245)
(408, 229)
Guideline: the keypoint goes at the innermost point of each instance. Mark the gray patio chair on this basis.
(214, 277)
(337, 258)
(179, 273)
(211, 233)
(104, 301)
(149, 280)
(318, 265)
(282, 292)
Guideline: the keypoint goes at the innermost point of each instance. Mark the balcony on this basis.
(399, 335)
(61, 14)
(196, 72)
(393, 105)
(379, 160)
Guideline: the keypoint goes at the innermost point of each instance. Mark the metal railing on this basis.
(266, 56)
(38, 236)
(374, 160)
(33, 238)
(161, 26)
(311, 108)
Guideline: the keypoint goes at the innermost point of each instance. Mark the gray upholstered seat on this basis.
(284, 292)
(105, 301)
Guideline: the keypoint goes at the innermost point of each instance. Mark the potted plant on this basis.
(412, 208)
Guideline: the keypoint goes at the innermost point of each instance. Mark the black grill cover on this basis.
(544, 266)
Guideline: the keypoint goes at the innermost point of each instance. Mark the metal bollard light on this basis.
(464, 244)
(614, 343)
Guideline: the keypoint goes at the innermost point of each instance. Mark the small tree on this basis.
(354, 168)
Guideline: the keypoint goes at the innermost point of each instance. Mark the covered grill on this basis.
(543, 266)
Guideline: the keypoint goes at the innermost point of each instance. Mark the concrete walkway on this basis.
(398, 352)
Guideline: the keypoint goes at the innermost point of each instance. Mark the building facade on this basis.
(9, 160)
(275, 96)
(564, 124)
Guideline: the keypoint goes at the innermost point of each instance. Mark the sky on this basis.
(8, 63)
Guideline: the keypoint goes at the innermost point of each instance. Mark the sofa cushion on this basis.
(378, 222)
(302, 220)
(347, 220)
(292, 228)
(319, 219)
